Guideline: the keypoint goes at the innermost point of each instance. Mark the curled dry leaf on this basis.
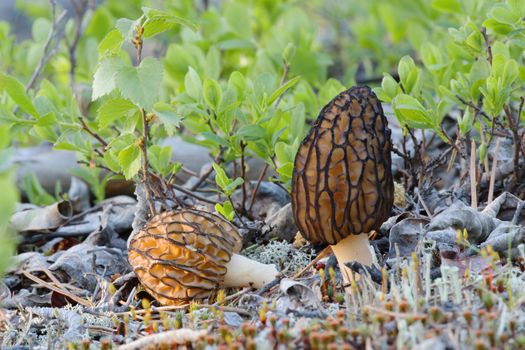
(39, 219)
(297, 296)
(405, 235)
(78, 194)
(459, 216)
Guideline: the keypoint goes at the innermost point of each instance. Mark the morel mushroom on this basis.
(342, 185)
(186, 254)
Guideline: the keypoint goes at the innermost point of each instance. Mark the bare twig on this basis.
(144, 148)
(429, 213)
(91, 132)
(493, 172)
(55, 35)
(83, 12)
(514, 127)
(254, 192)
(193, 194)
(208, 171)
(243, 176)
(473, 181)
(487, 44)
(319, 256)
(57, 289)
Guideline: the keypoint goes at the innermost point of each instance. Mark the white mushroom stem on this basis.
(244, 272)
(352, 248)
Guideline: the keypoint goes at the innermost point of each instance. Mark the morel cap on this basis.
(342, 181)
(182, 255)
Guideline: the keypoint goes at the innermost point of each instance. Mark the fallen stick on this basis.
(177, 336)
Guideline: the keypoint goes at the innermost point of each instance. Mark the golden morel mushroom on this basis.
(342, 185)
(186, 254)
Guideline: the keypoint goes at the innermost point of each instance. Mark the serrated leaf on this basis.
(168, 116)
(16, 91)
(159, 21)
(141, 84)
(112, 161)
(129, 160)
(126, 27)
(104, 78)
(111, 43)
(113, 110)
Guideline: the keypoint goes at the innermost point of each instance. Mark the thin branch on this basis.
(243, 176)
(283, 79)
(144, 148)
(514, 127)
(487, 44)
(83, 13)
(208, 171)
(254, 192)
(91, 132)
(493, 172)
(56, 32)
(473, 191)
(193, 194)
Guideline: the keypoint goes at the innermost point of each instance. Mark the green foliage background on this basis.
(245, 76)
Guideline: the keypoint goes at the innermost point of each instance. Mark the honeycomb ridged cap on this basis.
(181, 255)
(342, 180)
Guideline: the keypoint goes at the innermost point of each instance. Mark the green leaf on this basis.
(40, 29)
(215, 139)
(251, 132)
(232, 186)
(16, 91)
(113, 110)
(111, 43)
(408, 74)
(225, 210)
(129, 159)
(448, 6)
(159, 21)
(213, 63)
(290, 83)
(192, 84)
(104, 78)
(141, 84)
(503, 14)
(4, 136)
(112, 161)
(410, 111)
(168, 116)
(237, 82)
(160, 159)
(127, 27)
(221, 178)
(212, 93)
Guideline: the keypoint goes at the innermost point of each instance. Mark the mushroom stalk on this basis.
(244, 272)
(352, 248)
